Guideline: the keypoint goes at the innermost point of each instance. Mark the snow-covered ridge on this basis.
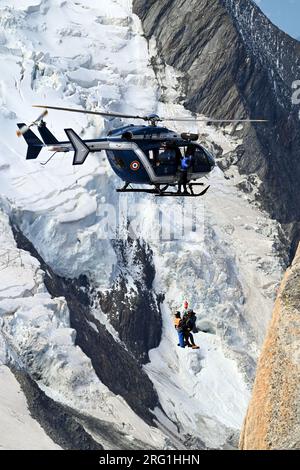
(65, 53)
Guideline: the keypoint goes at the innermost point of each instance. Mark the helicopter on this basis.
(138, 154)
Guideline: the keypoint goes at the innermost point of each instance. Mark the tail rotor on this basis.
(21, 131)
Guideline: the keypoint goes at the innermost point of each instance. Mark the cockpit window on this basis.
(201, 161)
(200, 155)
(165, 155)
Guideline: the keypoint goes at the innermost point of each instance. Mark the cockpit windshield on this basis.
(171, 155)
(200, 159)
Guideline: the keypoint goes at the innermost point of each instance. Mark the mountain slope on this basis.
(88, 314)
(13, 410)
(235, 63)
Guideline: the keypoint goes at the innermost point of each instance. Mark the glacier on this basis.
(94, 55)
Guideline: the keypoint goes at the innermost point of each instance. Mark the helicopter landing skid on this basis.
(170, 194)
(162, 192)
(134, 190)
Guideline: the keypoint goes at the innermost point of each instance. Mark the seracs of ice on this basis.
(105, 66)
(94, 55)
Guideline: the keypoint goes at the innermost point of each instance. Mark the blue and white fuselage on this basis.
(137, 154)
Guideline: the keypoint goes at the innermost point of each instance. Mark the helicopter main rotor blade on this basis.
(150, 117)
(83, 111)
(211, 120)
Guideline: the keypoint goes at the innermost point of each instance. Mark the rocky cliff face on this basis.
(235, 64)
(273, 418)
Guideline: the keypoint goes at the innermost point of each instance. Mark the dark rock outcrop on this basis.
(134, 311)
(69, 428)
(57, 421)
(115, 366)
(237, 64)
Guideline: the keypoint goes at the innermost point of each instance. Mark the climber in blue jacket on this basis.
(180, 327)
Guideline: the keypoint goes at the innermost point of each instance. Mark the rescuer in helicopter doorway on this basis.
(185, 163)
